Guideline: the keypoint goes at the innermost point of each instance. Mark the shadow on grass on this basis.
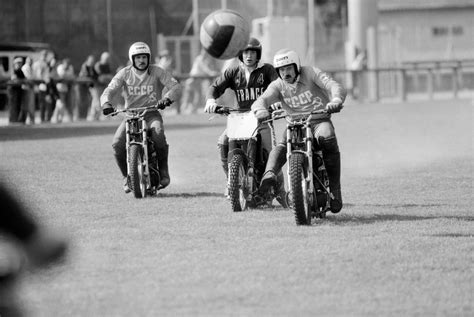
(189, 195)
(343, 219)
(75, 129)
(453, 235)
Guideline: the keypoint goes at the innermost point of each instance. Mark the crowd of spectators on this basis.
(49, 90)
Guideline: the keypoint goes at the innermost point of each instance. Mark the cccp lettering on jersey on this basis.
(304, 98)
(140, 90)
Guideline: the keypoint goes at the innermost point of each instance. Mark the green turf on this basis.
(402, 245)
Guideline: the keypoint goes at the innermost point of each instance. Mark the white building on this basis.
(428, 30)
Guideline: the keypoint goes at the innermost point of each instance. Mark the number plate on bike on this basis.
(241, 125)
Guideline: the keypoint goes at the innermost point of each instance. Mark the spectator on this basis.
(165, 61)
(86, 92)
(104, 75)
(358, 65)
(195, 87)
(16, 92)
(28, 91)
(52, 91)
(65, 72)
(41, 71)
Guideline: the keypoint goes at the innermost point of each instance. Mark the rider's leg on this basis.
(223, 146)
(326, 137)
(163, 165)
(280, 179)
(155, 122)
(120, 153)
(276, 160)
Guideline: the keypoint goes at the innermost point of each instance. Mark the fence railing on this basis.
(423, 79)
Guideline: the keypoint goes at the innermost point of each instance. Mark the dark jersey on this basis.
(245, 92)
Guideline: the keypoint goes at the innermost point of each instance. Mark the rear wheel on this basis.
(238, 183)
(300, 202)
(137, 171)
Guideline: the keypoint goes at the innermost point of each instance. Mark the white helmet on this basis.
(138, 48)
(286, 57)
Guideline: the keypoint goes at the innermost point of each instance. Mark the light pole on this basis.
(109, 27)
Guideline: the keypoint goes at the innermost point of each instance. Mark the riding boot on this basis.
(276, 160)
(162, 156)
(332, 161)
(224, 152)
(281, 191)
(121, 159)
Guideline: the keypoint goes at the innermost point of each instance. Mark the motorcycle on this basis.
(246, 160)
(143, 173)
(309, 194)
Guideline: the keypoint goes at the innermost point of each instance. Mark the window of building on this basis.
(445, 30)
(457, 30)
(440, 30)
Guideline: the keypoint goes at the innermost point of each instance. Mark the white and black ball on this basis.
(224, 33)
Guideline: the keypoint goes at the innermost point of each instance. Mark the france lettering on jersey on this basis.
(246, 91)
(313, 89)
(141, 89)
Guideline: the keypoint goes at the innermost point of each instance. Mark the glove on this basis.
(275, 106)
(211, 106)
(163, 103)
(107, 108)
(334, 105)
(262, 114)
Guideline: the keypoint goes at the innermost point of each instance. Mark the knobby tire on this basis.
(237, 182)
(136, 171)
(299, 190)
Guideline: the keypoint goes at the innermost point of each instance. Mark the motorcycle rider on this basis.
(302, 89)
(248, 80)
(142, 84)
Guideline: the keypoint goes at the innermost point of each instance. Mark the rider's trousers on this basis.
(155, 125)
(325, 136)
(223, 145)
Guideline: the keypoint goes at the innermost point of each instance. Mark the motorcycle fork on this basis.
(127, 144)
(144, 144)
(309, 159)
(251, 156)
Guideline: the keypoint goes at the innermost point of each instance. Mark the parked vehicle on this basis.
(8, 52)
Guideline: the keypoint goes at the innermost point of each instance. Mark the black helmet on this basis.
(253, 45)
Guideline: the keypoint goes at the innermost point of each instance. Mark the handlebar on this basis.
(135, 111)
(225, 111)
(281, 113)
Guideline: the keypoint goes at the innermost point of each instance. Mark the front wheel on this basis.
(299, 190)
(238, 183)
(137, 171)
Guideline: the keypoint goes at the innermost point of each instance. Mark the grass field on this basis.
(402, 245)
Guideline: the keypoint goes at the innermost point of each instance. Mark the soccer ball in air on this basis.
(224, 33)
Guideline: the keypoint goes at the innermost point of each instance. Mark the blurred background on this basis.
(377, 48)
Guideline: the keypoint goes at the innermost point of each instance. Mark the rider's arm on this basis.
(335, 90)
(113, 88)
(219, 86)
(173, 86)
(270, 96)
